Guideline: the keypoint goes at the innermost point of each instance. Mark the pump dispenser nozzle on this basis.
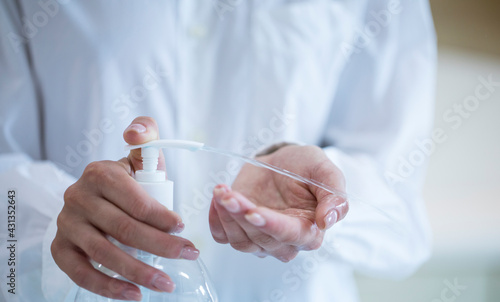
(152, 179)
(150, 152)
(168, 143)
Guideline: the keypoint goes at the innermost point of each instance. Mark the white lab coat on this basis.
(355, 77)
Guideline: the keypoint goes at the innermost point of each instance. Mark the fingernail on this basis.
(331, 218)
(163, 284)
(231, 205)
(132, 295)
(255, 219)
(190, 253)
(139, 128)
(178, 228)
(219, 190)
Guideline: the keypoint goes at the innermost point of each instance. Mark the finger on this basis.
(102, 251)
(235, 234)
(285, 253)
(331, 207)
(79, 269)
(286, 228)
(111, 220)
(111, 182)
(238, 205)
(269, 244)
(142, 130)
(216, 227)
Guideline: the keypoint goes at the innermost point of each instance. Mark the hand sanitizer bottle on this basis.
(192, 283)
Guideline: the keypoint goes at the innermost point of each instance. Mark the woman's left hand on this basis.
(266, 213)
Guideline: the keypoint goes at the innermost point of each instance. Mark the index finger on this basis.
(142, 130)
(114, 184)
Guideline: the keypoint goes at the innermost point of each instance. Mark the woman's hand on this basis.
(266, 213)
(106, 200)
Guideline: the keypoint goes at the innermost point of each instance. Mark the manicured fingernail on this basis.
(255, 219)
(219, 192)
(163, 284)
(220, 189)
(231, 205)
(139, 128)
(190, 253)
(132, 295)
(331, 218)
(178, 228)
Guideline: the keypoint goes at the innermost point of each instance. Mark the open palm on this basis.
(266, 213)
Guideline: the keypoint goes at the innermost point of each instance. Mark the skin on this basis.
(269, 214)
(263, 213)
(107, 200)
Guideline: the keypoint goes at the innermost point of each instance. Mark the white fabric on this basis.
(355, 77)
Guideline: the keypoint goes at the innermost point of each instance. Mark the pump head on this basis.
(150, 152)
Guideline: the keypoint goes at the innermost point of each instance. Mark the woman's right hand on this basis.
(106, 200)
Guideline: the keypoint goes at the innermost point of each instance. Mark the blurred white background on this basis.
(462, 190)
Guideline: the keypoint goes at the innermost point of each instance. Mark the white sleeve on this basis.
(38, 188)
(21, 125)
(378, 136)
(38, 185)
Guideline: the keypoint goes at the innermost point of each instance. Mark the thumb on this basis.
(331, 209)
(141, 130)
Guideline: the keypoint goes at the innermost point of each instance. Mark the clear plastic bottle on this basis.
(191, 279)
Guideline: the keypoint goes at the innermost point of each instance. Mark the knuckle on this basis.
(244, 246)
(287, 256)
(213, 220)
(114, 286)
(80, 275)
(96, 172)
(94, 168)
(220, 239)
(96, 251)
(265, 240)
(226, 219)
(130, 270)
(113, 289)
(141, 209)
(55, 249)
(74, 197)
(70, 194)
(291, 237)
(125, 230)
(314, 245)
(61, 220)
(218, 234)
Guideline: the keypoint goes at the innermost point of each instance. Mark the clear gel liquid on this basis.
(348, 198)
